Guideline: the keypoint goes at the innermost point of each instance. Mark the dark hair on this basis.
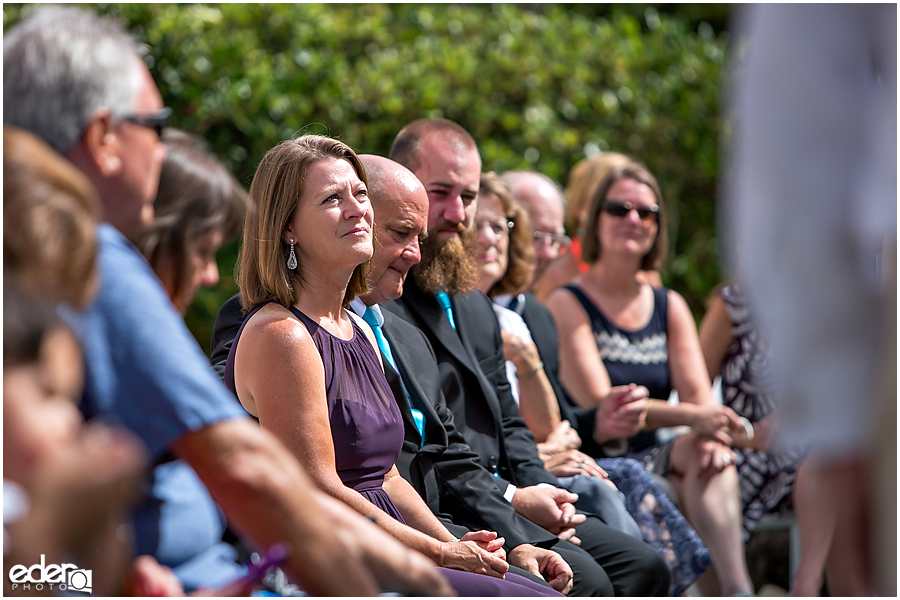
(262, 272)
(197, 195)
(520, 253)
(50, 217)
(405, 149)
(26, 321)
(591, 246)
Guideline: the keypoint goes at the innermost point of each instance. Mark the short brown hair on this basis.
(50, 217)
(521, 256)
(262, 272)
(583, 180)
(405, 149)
(197, 195)
(591, 246)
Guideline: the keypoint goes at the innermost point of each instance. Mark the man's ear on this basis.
(102, 145)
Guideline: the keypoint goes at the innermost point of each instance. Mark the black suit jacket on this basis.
(473, 379)
(546, 338)
(228, 321)
(444, 471)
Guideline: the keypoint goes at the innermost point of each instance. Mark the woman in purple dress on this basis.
(309, 370)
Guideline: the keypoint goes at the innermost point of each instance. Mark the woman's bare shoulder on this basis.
(274, 326)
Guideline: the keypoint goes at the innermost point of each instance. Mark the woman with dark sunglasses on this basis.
(616, 330)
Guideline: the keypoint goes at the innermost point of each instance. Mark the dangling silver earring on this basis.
(292, 259)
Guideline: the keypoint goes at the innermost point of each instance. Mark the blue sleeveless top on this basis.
(640, 357)
(366, 424)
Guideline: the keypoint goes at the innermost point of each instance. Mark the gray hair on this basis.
(60, 66)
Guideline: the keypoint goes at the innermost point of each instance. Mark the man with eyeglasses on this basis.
(78, 82)
(544, 202)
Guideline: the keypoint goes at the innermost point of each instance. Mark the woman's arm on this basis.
(277, 362)
(715, 335)
(458, 553)
(689, 376)
(282, 369)
(581, 369)
(537, 401)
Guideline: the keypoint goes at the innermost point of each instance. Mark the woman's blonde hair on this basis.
(583, 180)
(520, 254)
(262, 272)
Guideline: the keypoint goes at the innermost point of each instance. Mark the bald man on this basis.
(545, 204)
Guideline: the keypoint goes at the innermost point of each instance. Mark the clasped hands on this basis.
(477, 552)
(482, 552)
(622, 413)
(551, 508)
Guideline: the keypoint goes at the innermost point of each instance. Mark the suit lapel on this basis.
(407, 365)
(393, 379)
(431, 316)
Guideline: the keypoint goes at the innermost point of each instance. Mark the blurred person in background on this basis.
(198, 207)
(67, 488)
(77, 81)
(812, 206)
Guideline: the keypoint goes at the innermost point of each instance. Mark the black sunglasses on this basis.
(619, 209)
(154, 120)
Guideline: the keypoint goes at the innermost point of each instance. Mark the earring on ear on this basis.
(292, 258)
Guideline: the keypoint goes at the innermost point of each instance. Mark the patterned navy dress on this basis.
(766, 478)
(642, 357)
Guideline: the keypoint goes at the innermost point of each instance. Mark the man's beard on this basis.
(450, 267)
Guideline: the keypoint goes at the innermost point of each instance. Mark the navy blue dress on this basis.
(367, 431)
(642, 357)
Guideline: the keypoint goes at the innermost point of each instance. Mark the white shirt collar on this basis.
(359, 307)
(505, 300)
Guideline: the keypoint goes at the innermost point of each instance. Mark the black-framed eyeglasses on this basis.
(156, 120)
(498, 228)
(620, 209)
(555, 240)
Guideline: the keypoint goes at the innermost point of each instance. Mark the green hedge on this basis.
(537, 87)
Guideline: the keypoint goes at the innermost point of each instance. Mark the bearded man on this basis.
(460, 324)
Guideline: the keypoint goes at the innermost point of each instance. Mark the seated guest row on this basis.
(396, 411)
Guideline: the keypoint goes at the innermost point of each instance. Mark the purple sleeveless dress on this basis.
(367, 430)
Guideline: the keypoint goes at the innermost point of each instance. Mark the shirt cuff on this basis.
(509, 493)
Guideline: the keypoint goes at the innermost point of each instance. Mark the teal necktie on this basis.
(383, 345)
(444, 300)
